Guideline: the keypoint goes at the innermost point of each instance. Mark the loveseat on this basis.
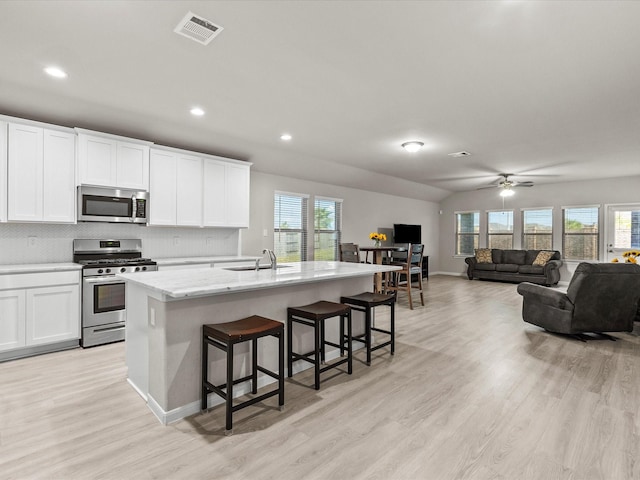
(515, 266)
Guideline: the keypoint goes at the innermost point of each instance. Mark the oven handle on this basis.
(105, 280)
(108, 329)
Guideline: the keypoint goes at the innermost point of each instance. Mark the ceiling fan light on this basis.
(507, 192)
(412, 146)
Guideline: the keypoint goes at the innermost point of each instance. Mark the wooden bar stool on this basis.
(366, 302)
(314, 315)
(224, 336)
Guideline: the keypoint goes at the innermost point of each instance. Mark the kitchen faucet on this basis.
(272, 257)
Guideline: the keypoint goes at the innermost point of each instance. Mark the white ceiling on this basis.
(548, 90)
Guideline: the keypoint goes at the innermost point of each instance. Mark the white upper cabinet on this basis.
(162, 188)
(226, 194)
(112, 161)
(191, 189)
(41, 175)
(3, 171)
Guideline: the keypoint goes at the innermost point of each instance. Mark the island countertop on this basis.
(178, 284)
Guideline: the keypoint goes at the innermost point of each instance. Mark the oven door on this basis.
(103, 301)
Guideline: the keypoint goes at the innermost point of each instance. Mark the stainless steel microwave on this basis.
(102, 204)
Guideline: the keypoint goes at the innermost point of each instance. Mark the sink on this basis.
(249, 267)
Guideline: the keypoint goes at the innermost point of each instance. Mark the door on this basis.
(189, 191)
(59, 192)
(623, 230)
(25, 173)
(132, 166)
(3, 171)
(53, 314)
(237, 180)
(214, 194)
(97, 161)
(12, 320)
(162, 188)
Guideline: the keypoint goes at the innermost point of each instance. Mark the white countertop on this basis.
(194, 260)
(208, 281)
(38, 267)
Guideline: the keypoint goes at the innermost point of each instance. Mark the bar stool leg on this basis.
(341, 336)
(367, 333)
(350, 343)
(205, 369)
(322, 345)
(319, 349)
(229, 399)
(254, 366)
(289, 346)
(393, 327)
(281, 371)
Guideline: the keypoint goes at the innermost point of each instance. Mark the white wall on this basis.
(363, 212)
(557, 195)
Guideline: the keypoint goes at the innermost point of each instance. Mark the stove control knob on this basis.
(99, 270)
(144, 268)
(137, 269)
(122, 270)
(108, 270)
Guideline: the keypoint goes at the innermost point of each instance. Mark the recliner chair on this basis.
(601, 297)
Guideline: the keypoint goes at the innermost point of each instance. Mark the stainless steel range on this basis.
(103, 295)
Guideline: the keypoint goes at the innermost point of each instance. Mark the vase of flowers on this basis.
(377, 238)
(630, 256)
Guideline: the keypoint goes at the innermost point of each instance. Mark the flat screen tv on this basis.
(404, 233)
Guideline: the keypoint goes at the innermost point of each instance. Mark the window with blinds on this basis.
(500, 229)
(290, 227)
(537, 229)
(580, 235)
(467, 232)
(327, 214)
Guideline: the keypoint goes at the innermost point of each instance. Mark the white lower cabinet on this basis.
(44, 310)
(12, 319)
(52, 314)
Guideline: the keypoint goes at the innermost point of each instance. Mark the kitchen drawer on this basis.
(40, 279)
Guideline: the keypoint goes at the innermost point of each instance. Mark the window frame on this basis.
(338, 203)
(597, 234)
(303, 230)
(523, 212)
(458, 234)
(489, 234)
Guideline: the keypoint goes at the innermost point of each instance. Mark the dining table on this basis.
(378, 254)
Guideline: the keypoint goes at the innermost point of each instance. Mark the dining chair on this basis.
(349, 252)
(411, 264)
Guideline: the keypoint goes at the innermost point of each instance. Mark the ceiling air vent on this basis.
(197, 28)
(459, 154)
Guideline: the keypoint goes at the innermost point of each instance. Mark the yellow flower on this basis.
(377, 236)
(615, 260)
(630, 256)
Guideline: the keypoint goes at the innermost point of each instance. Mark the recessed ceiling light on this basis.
(55, 72)
(285, 137)
(197, 111)
(412, 146)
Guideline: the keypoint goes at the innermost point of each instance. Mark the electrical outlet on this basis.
(32, 241)
(176, 241)
(265, 233)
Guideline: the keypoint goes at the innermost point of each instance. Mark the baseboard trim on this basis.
(38, 350)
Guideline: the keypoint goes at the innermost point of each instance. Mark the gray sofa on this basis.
(601, 297)
(516, 266)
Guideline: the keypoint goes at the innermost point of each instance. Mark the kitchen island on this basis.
(166, 311)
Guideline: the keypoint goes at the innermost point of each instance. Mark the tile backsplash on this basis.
(53, 243)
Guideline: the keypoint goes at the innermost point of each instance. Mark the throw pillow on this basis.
(483, 255)
(543, 257)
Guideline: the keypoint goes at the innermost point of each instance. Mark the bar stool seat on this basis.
(314, 315)
(366, 302)
(224, 336)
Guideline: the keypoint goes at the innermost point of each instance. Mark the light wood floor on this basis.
(472, 392)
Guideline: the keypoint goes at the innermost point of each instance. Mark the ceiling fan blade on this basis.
(523, 184)
(488, 186)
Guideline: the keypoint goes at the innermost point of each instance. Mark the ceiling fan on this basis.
(506, 186)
